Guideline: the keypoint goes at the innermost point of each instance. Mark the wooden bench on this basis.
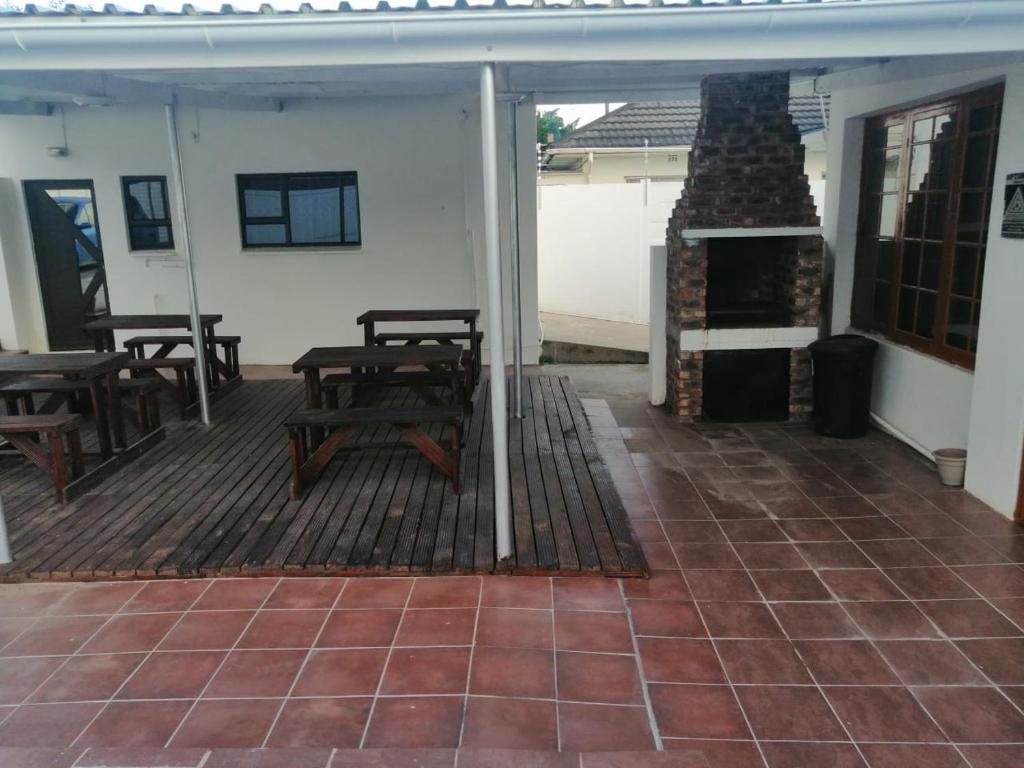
(56, 428)
(469, 359)
(228, 367)
(184, 372)
(307, 466)
(416, 380)
(144, 393)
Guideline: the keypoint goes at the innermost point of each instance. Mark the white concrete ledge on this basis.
(705, 234)
(745, 338)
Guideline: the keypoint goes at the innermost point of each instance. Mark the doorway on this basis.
(69, 258)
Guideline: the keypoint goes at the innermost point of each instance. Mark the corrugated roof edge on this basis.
(266, 9)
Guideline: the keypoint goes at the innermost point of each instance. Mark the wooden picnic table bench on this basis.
(470, 358)
(144, 392)
(57, 429)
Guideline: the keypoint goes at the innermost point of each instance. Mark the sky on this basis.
(585, 112)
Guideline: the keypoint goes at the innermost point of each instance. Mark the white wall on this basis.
(593, 247)
(933, 403)
(418, 161)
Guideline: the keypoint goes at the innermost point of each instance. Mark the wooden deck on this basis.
(214, 501)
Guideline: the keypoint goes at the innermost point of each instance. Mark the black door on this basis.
(69, 258)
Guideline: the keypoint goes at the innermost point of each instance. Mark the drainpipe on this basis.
(198, 343)
(492, 253)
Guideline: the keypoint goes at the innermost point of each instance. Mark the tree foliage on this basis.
(552, 127)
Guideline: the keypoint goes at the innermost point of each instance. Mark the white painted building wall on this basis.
(931, 403)
(419, 167)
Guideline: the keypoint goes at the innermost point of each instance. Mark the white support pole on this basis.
(495, 310)
(5, 547)
(513, 230)
(198, 342)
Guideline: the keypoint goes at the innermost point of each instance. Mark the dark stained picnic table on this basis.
(102, 330)
(99, 369)
(470, 317)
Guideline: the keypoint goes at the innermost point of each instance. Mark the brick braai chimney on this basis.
(746, 170)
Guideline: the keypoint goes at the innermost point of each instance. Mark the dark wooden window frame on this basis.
(126, 182)
(962, 103)
(345, 179)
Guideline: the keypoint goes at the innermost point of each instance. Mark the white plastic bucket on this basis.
(951, 463)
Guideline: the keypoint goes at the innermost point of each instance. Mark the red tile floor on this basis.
(813, 604)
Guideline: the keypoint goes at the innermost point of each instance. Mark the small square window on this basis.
(299, 210)
(147, 212)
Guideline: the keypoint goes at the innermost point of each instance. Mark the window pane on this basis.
(913, 225)
(265, 234)
(920, 162)
(881, 303)
(888, 136)
(925, 324)
(938, 170)
(885, 250)
(884, 171)
(960, 329)
(314, 205)
(887, 217)
(262, 198)
(964, 269)
(151, 237)
(931, 264)
(351, 205)
(923, 129)
(981, 118)
(975, 325)
(146, 201)
(972, 212)
(905, 310)
(945, 125)
(911, 263)
(976, 162)
(935, 217)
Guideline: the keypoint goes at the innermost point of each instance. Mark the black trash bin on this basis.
(843, 368)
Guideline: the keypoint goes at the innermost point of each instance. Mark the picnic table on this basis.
(102, 330)
(98, 369)
(470, 317)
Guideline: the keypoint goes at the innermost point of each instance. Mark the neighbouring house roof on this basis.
(669, 124)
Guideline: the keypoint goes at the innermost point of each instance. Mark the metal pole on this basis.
(492, 253)
(198, 342)
(5, 547)
(513, 229)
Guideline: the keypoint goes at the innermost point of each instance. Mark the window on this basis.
(299, 210)
(926, 194)
(147, 212)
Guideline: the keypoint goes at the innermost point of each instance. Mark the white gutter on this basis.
(804, 32)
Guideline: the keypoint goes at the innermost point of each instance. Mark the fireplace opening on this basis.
(749, 282)
(746, 385)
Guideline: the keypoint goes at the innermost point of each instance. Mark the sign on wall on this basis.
(1013, 213)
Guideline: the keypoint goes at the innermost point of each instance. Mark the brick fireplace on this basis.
(744, 260)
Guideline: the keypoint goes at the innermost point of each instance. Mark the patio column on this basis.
(198, 343)
(513, 238)
(495, 310)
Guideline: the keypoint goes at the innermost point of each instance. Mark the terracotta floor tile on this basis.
(593, 631)
(429, 721)
(235, 594)
(762, 662)
(208, 631)
(1001, 660)
(283, 629)
(860, 584)
(746, 620)
(103, 598)
(515, 628)
(321, 723)
(993, 580)
(437, 626)
(88, 678)
(256, 673)
(602, 727)
(789, 713)
(299, 757)
(812, 755)
(147, 757)
(425, 671)
(698, 711)
(770, 556)
(234, 723)
(662, 585)
(305, 593)
(135, 724)
(341, 672)
(968, 618)
(360, 628)
(647, 531)
(1012, 607)
(882, 714)
(891, 620)
(54, 636)
(812, 530)
(790, 585)
(683, 510)
(791, 509)
(46, 725)
(912, 756)
(376, 593)
(693, 531)
(719, 754)
(666, 618)
(752, 531)
(848, 506)
(721, 586)
(815, 621)
(587, 594)
(510, 724)
(994, 755)
(973, 715)
(679, 660)
(446, 592)
(659, 554)
(930, 583)
(898, 553)
(834, 555)
(172, 675)
(516, 592)
(929, 662)
(31, 599)
(929, 526)
(519, 672)
(845, 662)
(706, 555)
(140, 632)
(160, 596)
(964, 550)
(871, 529)
(10, 628)
(19, 677)
(598, 678)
